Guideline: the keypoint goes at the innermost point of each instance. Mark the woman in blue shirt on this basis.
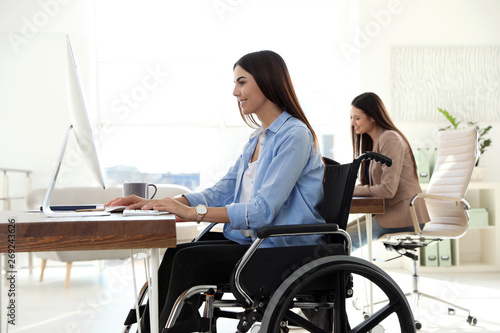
(277, 180)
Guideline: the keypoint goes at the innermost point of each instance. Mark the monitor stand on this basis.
(48, 195)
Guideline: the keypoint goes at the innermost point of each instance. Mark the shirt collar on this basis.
(275, 126)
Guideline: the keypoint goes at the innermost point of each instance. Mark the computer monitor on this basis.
(80, 126)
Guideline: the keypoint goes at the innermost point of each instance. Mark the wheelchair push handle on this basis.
(373, 156)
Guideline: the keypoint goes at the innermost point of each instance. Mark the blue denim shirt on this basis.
(287, 188)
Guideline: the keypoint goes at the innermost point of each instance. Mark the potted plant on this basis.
(483, 142)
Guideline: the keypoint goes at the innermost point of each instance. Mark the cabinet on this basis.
(479, 249)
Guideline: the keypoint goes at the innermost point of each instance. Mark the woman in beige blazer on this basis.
(373, 130)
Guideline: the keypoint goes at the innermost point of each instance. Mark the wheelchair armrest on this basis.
(204, 232)
(301, 229)
(285, 230)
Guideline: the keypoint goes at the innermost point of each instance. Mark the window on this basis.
(165, 81)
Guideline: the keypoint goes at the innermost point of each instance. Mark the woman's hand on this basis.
(132, 202)
(175, 205)
(171, 205)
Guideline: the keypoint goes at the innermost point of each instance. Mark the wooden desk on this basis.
(367, 205)
(34, 232)
(37, 233)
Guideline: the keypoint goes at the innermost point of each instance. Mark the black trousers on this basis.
(212, 262)
(188, 265)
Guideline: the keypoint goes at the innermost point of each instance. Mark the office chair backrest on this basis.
(457, 155)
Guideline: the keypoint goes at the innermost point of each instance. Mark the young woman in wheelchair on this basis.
(277, 180)
(373, 130)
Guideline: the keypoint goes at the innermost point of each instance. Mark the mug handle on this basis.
(156, 190)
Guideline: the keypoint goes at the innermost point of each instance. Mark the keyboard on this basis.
(141, 212)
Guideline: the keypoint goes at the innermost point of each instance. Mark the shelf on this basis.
(490, 227)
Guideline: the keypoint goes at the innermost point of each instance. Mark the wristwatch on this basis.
(201, 210)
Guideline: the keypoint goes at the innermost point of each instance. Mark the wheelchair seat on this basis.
(308, 286)
(284, 262)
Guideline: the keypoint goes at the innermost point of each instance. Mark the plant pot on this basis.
(478, 173)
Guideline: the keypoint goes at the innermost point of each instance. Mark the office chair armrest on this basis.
(301, 229)
(464, 202)
(413, 213)
(435, 197)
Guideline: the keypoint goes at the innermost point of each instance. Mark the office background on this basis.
(158, 76)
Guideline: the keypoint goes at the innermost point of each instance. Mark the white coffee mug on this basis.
(139, 189)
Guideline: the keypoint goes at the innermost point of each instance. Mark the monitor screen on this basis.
(77, 105)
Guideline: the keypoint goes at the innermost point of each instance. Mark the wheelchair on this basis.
(311, 288)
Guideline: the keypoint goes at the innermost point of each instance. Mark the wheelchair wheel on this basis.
(395, 316)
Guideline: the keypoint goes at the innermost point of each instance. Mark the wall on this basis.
(33, 105)
(388, 24)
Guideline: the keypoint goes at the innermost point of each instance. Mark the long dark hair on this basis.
(271, 75)
(373, 107)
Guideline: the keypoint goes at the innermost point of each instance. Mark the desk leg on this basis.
(153, 308)
(368, 220)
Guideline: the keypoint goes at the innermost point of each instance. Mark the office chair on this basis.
(457, 154)
(309, 286)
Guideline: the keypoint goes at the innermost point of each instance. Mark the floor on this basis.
(101, 294)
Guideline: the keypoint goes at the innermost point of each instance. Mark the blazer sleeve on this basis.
(385, 179)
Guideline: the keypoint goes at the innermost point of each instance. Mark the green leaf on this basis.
(450, 118)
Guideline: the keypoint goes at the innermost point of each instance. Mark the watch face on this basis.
(201, 209)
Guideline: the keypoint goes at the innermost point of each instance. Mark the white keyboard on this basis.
(141, 212)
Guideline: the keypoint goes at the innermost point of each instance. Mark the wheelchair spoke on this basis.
(377, 318)
(297, 320)
(394, 314)
(340, 321)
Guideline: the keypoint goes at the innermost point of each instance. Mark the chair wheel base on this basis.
(451, 311)
(418, 325)
(472, 320)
